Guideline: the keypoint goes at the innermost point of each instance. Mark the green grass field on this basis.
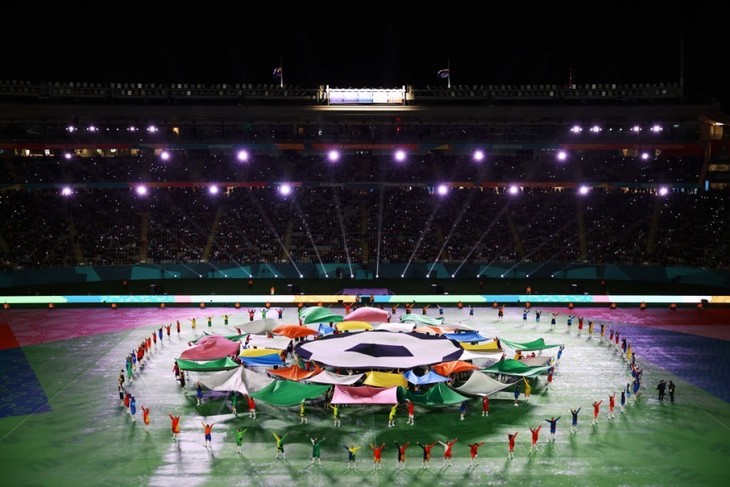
(87, 439)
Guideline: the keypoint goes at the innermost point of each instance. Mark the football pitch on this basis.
(61, 421)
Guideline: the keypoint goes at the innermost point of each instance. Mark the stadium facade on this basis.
(639, 194)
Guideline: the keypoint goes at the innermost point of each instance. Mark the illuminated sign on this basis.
(366, 96)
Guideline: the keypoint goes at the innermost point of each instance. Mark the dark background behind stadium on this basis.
(376, 44)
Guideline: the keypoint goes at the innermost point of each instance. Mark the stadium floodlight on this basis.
(285, 189)
(400, 155)
(66, 191)
(513, 189)
(478, 155)
(442, 190)
(152, 129)
(644, 156)
(663, 191)
(596, 129)
(164, 155)
(141, 189)
(92, 128)
(70, 129)
(584, 190)
(242, 155)
(656, 128)
(213, 189)
(333, 156)
(562, 155)
(576, 129)
(67, 156)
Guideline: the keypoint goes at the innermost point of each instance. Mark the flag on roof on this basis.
(443, 73)
(277, 72)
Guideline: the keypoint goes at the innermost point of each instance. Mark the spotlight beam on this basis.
(481, 238)
(426, 229)
(266, 219)
(343, 230)
(308, 232)
(455, 224)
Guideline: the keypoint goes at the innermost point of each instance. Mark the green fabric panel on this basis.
(287, 393)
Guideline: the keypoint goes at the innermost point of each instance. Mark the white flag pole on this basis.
(448, 72)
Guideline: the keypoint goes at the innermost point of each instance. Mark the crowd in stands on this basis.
(386, 224)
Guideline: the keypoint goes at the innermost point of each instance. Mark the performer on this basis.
(316, 449)
(553, 426)
(474, 452)
(280, 445)
(447, 451)
(377, 456)
(175, 426)
(511, 439)
(574, 423)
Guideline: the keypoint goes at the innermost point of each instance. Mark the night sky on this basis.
(373, 44)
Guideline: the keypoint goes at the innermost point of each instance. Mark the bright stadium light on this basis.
(242, 155)
(562, 155)
(285, 189)
(164, 155)
(333, 156)
(141, 189)
(478, 155)
(584, 190)
(400, 155)
(442, 190)
(213, 189)
(66, 191)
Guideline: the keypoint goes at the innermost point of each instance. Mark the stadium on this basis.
(130, 207)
